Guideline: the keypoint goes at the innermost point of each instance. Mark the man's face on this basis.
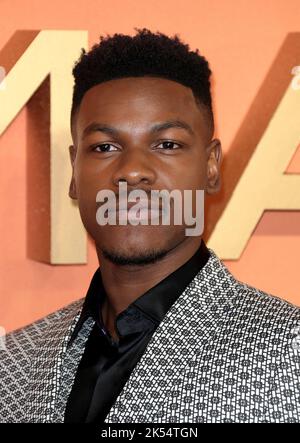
(172, 158)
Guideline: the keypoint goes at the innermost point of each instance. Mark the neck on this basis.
(125, 283)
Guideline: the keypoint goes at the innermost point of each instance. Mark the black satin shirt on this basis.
(106, 364)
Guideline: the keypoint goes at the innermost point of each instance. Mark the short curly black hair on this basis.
(145, 54)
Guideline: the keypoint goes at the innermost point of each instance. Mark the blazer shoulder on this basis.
(24, 338)
(17, 347)
(251, 304)
(268, 305)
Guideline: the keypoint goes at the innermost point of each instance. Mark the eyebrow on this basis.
(158, 127)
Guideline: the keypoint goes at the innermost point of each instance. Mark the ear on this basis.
(72, 188)
(214, 159)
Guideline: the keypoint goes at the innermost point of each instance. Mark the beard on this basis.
(134, 258)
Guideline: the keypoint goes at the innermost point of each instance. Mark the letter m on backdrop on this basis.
(38, 73)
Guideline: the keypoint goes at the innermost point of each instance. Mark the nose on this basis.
(135, 167)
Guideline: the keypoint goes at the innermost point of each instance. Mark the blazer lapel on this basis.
(69, 367)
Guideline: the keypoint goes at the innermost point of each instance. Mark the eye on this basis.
(104, 147)
(168, 145)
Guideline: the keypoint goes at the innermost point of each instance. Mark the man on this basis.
(165, 332)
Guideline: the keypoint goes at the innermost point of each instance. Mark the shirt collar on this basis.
(154, 303)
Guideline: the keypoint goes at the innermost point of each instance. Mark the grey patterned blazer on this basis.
(224, 352)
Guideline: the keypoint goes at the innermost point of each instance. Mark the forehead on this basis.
(140, 87)
(138, 102)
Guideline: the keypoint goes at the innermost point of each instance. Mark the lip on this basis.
(142, 214)
(143, 205)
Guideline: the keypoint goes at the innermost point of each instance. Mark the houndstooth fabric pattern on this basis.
(224, 352)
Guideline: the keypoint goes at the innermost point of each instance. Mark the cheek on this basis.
(193, 178)
(191, 171)
(89, 180)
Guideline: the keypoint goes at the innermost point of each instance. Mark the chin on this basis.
(132, 255)
(135, 242)
(131, 246)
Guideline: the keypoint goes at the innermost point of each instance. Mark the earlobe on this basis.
(72, 187)
(214, 166)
